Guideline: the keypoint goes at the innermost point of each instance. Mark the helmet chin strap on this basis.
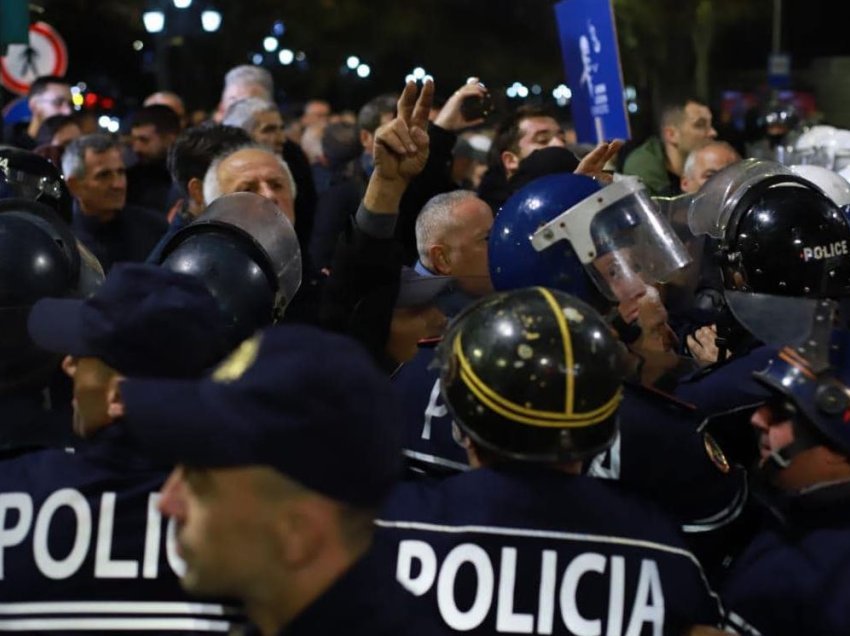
(781, 459)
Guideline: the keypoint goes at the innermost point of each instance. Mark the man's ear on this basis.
(300, 531)
(367, 140)
(195, 188)
(440, 262)
(114, 402)
(73, 184)
(31, 104)
(510, 161)
(670, 135)
(69, 366)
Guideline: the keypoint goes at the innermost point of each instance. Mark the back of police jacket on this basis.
(523, 549)
(83, 547)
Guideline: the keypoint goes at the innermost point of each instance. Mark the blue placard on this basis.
(592, 62)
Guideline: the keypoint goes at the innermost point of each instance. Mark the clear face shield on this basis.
(269, 229)
(621, 239)
(712, 206)
(91, 272)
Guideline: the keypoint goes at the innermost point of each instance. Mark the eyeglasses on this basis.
(56, 102)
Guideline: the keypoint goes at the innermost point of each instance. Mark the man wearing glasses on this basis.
(49, 95)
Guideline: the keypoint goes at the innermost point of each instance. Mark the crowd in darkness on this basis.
(406, 370)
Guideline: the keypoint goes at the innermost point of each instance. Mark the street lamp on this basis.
(182, 4)
(363, 71)
(210, 20)
(154, 21)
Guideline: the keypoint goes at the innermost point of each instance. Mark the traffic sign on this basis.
(44, 55)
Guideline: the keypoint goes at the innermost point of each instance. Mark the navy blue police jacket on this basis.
(658, 453)
(84, 548)
(794, 577)
(429, 446)
(524, 549)
(28, 422)
(364, 601)
(726, 385)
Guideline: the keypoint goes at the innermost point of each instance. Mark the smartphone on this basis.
(474, 107)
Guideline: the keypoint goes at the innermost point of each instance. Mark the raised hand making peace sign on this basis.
(401, 145)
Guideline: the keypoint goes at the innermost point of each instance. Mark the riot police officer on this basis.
(774, 233)
(39, 257)
(606, 245)
(83, 546)
(793, 577)
(533, 379)
(246, 252)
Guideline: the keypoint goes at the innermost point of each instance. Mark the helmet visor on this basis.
(712, 206)
(270, 230)
(621, 239)
(17, 184)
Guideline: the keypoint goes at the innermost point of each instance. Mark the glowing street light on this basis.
(210, 20)
(154, 21)
(418, 73)
(286, 56)
(182, 4)
(270, 44)
(363, 70)
(352, 62)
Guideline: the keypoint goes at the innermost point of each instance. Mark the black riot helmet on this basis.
(533, 375)
(246, 252)
(26, 175)
(39, 257)
(778, 232)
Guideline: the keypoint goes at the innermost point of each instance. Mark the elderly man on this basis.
(660, 161)
(252, 168)
(94, 170)
(260, 118)
(704, 161)
(246, 84)
(48, 96)
(452, 233)
(241, 82)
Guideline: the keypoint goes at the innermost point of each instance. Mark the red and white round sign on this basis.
(44, 55)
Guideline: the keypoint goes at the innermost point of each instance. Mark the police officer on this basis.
(39, 257)
(246, 252)
(793, 577)
(281, 467)
(524, 542)
(605, 245)
(775, 233)
(83, 546)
